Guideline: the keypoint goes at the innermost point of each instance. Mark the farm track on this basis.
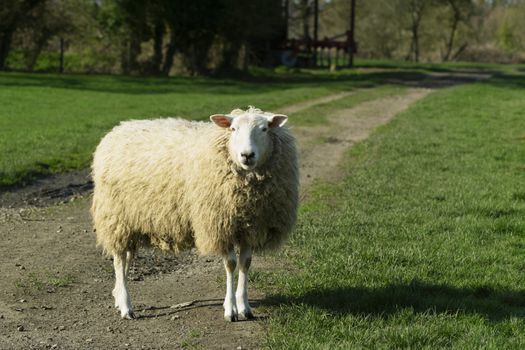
(56, 290)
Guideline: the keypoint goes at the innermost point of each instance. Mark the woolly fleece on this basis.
(171, 184)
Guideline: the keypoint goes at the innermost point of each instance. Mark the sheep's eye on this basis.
(264, 129)
(232, 129)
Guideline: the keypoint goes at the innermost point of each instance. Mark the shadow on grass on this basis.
(491, 303)
(508, 81)
(430, 67)
(254, 84)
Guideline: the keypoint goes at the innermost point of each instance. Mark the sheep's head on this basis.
(250, 140)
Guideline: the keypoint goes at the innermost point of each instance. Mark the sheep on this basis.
(174, 184)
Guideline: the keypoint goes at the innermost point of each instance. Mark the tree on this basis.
(377, 37)
(416, 10)
(191, 26)
(461, 11)
(12, 16)
(262, 28)
(51, 18)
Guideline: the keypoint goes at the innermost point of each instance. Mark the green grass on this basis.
(34, 282)
(423, 244)
(51, 123)
(437, 67)
(190, 340)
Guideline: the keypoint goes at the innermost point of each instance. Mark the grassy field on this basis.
(423, 244)
(51, 123)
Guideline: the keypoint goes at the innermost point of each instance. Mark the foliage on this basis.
(205, 36)
(147, 36)
(445, 29)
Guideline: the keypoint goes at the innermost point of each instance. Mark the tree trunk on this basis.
(416, 42)
(408, 57)
(230, 56)
(416, 12)
(5, 46)
(286, 18)
(157, 47)
(61, 66)
(199, 51)
(124, 64)
(168, 58)
(134, 51)
(450, 42)
(245, 58)
(33, 55)
(459, 51)
(455, 21)
(306, 25)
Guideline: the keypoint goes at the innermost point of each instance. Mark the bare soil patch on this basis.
(56, 288)
(307, 104)
(322, 148)
(50, 190)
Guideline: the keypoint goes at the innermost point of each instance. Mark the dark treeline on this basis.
(163, 37)
(140, 36)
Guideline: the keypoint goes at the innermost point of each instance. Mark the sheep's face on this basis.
(250, 143)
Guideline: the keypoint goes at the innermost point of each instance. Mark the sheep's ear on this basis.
(277, 120)
(221, 120)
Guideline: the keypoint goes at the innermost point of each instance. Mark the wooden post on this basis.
(316, 30)
(61, 67)
(352, 31)
(286, 18)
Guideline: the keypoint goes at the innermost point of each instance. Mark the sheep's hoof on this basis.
(246, 315)
(128, 315)
(230, 318)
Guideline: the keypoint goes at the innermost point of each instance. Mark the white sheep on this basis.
(176, 184)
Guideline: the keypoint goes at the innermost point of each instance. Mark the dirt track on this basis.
(56, 288)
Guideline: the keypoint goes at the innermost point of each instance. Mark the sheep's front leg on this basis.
(230, 308)
(245, 260)
(120, 292)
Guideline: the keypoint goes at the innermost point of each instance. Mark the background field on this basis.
(51, 123)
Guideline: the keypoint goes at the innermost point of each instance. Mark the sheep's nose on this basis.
(247, 155)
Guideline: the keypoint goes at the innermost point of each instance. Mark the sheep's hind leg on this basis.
(129, 259)
(245, 259)
(230, 307)
(120, 292)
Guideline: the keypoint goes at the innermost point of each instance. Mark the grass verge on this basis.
(422, 245)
